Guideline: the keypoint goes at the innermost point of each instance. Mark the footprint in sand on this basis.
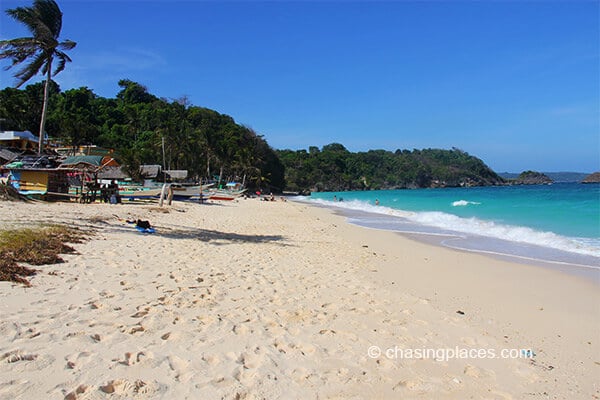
(127, 389)
(252, 360)
(141, 313)
(131, 358)
(16, 356)
(244, 376)
(300, 375)
(75, 394)
(305, 349)
(411, 385)
(211, 359)
(177, 364)
(22, 361)
(78, 360)
(476, 372)
(241, 329)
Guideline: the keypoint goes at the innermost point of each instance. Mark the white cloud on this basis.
(122, 60)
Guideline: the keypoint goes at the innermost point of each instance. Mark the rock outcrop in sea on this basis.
(592, 178)
(532, 178)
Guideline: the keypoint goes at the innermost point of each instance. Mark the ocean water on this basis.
(557, 223)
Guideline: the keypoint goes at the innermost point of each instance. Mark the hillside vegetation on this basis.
(334, 168)
(136, 125)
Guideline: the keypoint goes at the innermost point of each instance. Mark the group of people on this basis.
(270, 197)
(109, 193)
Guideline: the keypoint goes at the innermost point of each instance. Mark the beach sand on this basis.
(282, 300)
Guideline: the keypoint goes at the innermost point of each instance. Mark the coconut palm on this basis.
(44, 22)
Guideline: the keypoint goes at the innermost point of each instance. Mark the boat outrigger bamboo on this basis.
(232, 191)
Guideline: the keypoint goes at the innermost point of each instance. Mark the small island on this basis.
(592, 178)
(532, 178)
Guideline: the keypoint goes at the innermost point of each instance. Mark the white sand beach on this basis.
(282, 300)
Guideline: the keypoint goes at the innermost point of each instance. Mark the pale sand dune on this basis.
(254, 300)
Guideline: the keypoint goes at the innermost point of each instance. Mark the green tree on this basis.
(74, 117)
(44, 22)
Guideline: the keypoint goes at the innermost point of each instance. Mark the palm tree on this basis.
(44, 22)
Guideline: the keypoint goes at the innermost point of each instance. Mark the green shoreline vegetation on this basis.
(136, 123)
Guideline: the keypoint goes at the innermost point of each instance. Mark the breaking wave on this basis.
(461, 203)
(447, 223)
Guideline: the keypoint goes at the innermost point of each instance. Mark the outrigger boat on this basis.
(132, 192)
(232, 191)
(180, 192)
(193, 192)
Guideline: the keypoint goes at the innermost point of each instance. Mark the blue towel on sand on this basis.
(145, 230)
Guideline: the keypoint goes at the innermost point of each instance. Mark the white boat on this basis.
(190, 192)
(232, 191)
(140, 192)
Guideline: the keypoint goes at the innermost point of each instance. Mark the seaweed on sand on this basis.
(37, 246)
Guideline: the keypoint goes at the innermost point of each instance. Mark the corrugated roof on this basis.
(150, 171)
(18, 135)
(177, 173)
(8, 155)
(112, 173)
(95, 161)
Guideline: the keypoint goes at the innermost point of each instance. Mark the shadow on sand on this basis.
(204, 235)
(216, 237)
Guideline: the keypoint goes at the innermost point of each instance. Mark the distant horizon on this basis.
(513, 83)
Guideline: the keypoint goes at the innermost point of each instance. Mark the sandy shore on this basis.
(275, 300)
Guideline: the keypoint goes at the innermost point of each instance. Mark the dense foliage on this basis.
(531, 178)
(206, 143)
(135, 123)
(334, 168)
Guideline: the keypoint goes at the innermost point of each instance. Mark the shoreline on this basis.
(256, 299)
(547, 257)
(587, 272)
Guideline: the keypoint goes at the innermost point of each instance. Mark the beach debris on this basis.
(460, 312)
(35, 246)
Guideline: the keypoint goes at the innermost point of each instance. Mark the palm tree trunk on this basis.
(44, 108)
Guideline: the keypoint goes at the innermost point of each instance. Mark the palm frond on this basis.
(50, 15)
(66, 45)
(17, 50)
(62, 60)
(26, 16)
(32, 69)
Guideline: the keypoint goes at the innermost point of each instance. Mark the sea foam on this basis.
(448, 223)
(462, 203)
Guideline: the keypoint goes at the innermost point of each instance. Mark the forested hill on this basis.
(144, 129)
(137, 124)
(334, 168)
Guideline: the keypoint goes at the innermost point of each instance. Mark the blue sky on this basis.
(514, 83)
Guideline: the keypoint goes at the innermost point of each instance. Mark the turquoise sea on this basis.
(557, 223)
